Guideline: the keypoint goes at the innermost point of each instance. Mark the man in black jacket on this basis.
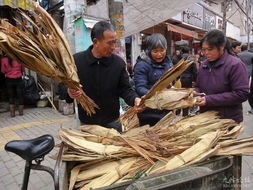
(103, 77)
(247, 59)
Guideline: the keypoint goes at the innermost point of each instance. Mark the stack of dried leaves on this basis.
(40, 45)
(111, 157)
(170, 99)
(165, 80)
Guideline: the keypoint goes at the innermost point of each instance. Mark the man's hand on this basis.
(75, 93)
(201, 101)
(137, 106)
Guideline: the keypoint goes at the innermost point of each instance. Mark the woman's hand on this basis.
(137, 106)
(201, 101)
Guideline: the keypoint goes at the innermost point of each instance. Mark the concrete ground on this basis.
(247, 161)
(39, 121)
(35, 122)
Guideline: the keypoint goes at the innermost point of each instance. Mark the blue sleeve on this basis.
(141, 71)
(141, 78)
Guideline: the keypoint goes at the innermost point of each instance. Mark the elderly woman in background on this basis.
(152, 63)
(222, 77)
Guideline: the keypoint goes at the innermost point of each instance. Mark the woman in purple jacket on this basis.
(222, 78)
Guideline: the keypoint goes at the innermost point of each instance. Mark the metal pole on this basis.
(72, 9)
(26, 175)
(117, 20)
(248, 25)
(224, 6)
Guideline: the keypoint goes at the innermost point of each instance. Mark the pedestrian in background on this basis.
(236, 47)
(13, 72)
(188, 76)
(247, 59)
(177, 57)
(222, 78)
(152, 63)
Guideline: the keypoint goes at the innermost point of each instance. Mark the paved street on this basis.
(34, 122)
(247, 161)
(39, 121)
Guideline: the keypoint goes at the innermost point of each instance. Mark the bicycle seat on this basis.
(31, 149)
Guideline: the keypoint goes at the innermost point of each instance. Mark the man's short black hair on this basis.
(244, 47)
(98, 29)
(185, 50)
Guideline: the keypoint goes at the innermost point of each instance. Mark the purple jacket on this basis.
(226, 86)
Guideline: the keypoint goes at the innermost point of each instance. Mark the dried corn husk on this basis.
(171, 99)
(207, 141)
(113, 175)
(130, 124)
(236, 147)
(164, 81)
(168, 145)
(100, 131)
(40, 45)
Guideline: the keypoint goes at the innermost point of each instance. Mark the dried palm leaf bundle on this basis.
(113, 175)
(170, 99)
(166, 146)
(236, 146)
(131, 123)
(100, 131)
(40, 45)
(165, 80)
(78, 146)
(206, 142)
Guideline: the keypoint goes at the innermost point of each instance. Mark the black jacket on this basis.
(104, 80)
(191, 71)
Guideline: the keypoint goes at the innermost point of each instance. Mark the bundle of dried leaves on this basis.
(165, 80)
(111, 157)
(40, 45)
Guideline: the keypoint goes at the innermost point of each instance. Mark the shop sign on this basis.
(219, 23)
(24, 4)
(209, 20)
(194, 15)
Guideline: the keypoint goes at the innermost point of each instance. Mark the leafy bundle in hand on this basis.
(39, 43)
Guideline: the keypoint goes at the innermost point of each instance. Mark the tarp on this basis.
(142, 14)
(181, 30)
(82, 35)
(24, 4)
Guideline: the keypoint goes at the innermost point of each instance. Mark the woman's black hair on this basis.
(216, 38)
(98, 29)
(235, 44)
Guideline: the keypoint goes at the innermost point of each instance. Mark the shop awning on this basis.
(24, 4)
(180, 30)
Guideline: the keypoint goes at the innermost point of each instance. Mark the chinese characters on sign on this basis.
(198, 16)
(194, 15)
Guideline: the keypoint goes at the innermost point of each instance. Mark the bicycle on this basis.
(35, 150)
